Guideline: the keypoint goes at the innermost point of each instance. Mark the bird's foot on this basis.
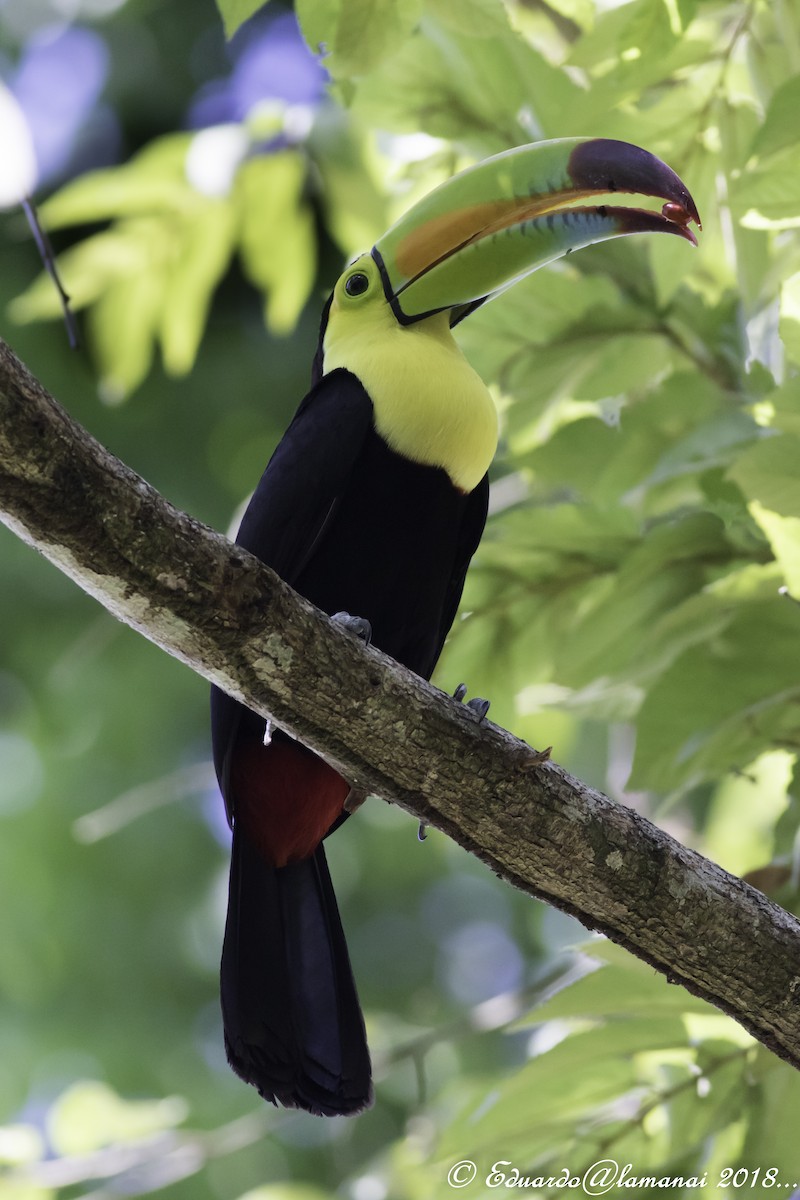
(479, 706)
(359, 626)
(536, 757)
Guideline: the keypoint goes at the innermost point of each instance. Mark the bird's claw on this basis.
(422, 832)
(358, 626)
(355, 798)
(478, 705)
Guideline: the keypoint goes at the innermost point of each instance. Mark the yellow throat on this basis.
(430, 405)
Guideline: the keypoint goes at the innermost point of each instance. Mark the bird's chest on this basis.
(442, 424)
(388, 551)
(431, 407)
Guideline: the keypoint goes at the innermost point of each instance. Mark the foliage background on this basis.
(624, 606)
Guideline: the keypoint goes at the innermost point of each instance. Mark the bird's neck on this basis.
(430, 405)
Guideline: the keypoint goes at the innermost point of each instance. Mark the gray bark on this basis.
(232, 620)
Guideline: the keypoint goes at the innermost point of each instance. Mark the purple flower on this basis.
(271, 62)
(58, 84)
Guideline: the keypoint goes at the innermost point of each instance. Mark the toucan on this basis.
(372, 505)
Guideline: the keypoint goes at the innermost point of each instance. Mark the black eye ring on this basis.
(357, 284)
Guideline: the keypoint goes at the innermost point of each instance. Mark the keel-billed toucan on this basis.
(373, 504)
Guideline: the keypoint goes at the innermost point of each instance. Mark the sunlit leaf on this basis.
(745, 810)
(783, 535)
(768, 197)
(203, 251)
(20, 1144)
(487, 93)
(767, 472)
(88, 271)
(355, 207)
(285, 1191)
(768, 1138)
(476, 18)
(89, 1115)
(790, 317)
(618, 991)
(355, 36)
(277, 235)
(720, 704)
(779, 128)
(582, 12)
(153, 181)
(13, 1189)
(235, 12)
(126, 317)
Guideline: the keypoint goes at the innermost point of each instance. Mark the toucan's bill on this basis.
(487, 227)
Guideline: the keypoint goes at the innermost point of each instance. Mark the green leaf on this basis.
(617, 991)
(12, 1189)
(768, 197)
(779, 129)
(768, 473)
(783, 407)
(771, 1137)
(475, 18)
(692, 1120)
(643, 42)
(153, 181)
(234, 13)
(582, 12)
(790, 317)
(722, 704)
(485, 93)
(87, 271)
(783, 535)
(319, 21)
(745, 810)
(611, 633)
(277, 239)
(355, 36)
(204, 243)
(126, 316)
(557, 1087)
(355, 205)
(89, 1115)
(20, 1145)
(547, 304)
(286, 1191)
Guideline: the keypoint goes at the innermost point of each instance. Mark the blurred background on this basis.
(202, 195)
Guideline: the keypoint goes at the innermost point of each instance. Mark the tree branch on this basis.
(232, 620)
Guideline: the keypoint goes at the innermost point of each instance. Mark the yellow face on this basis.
(358, 285)
(359, 308)
(429, 404)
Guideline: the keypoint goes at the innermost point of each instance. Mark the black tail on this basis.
(293, 1024)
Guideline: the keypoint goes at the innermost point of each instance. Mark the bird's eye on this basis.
(357, 284)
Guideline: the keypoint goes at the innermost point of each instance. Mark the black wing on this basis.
(305, 476)
(472, 526)
(291, 507)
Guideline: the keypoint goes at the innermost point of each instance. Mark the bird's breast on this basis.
(430, 405)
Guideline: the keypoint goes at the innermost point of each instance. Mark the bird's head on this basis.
(492, 224)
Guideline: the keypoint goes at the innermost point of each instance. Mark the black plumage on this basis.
(352, 526)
